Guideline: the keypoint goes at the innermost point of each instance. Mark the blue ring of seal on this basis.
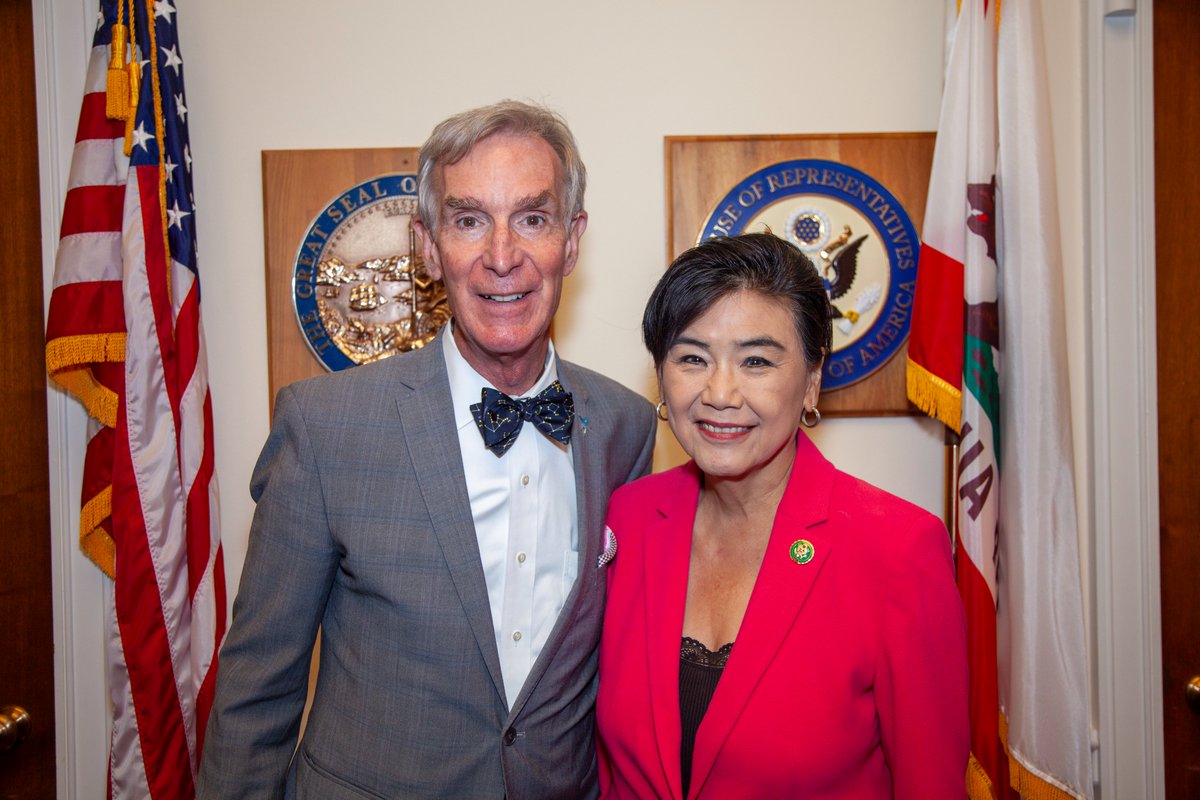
(869, 197)
(311, 251)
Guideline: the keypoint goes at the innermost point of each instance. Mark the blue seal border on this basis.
(785, 179)
(312, 247)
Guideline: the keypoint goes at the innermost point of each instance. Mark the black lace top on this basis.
(699, 671)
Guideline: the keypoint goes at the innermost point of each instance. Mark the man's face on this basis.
(502, 249)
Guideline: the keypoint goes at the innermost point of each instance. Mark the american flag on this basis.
(124, 334)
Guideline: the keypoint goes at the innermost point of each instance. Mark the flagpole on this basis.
(950, 507)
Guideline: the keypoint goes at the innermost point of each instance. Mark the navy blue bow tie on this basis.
(500, 417)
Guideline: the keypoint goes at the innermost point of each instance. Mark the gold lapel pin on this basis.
(801, 551)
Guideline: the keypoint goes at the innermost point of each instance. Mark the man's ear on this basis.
(429, 249)
(571, 248)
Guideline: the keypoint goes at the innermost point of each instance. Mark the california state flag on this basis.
(987, 357)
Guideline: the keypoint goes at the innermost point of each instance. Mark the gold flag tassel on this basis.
(133, 79)
(134, 71)
(116, 85)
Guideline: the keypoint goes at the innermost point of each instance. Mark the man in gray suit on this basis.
(454, 568)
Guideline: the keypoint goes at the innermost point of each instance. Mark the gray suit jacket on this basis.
(363, 527)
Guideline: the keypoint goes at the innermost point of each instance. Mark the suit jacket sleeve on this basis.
(262, 682)
(921, 684)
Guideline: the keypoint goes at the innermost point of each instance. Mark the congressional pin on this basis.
(801, 551)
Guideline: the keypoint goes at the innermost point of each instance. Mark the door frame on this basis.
(62, 31)
(1126, 634)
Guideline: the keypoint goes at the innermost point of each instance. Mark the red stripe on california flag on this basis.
(92, 209)
(81, 309)
(984, 697)
(144, 636)
(936, 338)
(94, 122)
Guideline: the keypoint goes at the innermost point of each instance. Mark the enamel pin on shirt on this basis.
(801, 551)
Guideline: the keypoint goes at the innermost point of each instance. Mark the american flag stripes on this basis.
(124, 334)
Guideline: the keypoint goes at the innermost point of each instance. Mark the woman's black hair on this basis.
(722, 265)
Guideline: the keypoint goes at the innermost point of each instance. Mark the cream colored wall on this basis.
(278, 75)
(281, 74)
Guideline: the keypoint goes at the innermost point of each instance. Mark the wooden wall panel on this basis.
(1177, 207)
(26, 611)
(297, 186)
(700, 170)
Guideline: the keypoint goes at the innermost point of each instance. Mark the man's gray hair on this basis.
(453, 138)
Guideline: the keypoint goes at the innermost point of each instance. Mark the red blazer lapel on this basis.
(667, 553)
(779, 593)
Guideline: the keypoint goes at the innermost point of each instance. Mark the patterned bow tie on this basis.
(500, 417)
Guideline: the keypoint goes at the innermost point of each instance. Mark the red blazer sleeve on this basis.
(921, 683)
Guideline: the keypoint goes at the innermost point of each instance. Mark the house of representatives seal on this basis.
(360, 287)
(859, 237)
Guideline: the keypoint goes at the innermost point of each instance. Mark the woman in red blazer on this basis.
(775, 628)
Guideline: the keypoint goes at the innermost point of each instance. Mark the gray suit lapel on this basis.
(589, 502)
(427, 427)
(591, 496)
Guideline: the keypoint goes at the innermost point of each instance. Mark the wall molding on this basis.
(62, 32)
(1125, 555)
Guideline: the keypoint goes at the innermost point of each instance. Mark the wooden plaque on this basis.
(297, 186)
(701, 170)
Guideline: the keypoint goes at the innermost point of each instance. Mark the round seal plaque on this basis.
(858, 236)
(360, 287)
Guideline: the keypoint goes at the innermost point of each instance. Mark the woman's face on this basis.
(735, 384)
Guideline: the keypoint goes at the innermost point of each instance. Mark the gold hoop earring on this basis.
(816, 418)
(660, 410)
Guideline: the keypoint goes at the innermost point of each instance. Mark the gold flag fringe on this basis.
(94, 541)
(979, 785)
(1027, 783)
(67, 358)
(934, 396)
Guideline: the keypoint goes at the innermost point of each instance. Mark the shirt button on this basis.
(516, 636)
(520, 558)
(510, 736)
(524, 480)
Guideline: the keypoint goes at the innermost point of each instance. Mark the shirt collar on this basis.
(467, 385)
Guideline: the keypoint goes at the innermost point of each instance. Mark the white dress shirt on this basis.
(524, 507)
